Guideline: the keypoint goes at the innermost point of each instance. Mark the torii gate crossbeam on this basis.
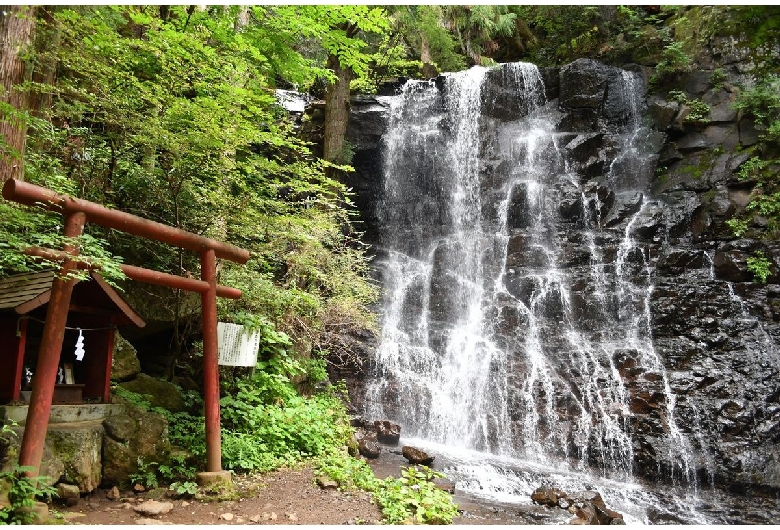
(77, 212)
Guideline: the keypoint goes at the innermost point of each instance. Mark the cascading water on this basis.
(495, 337)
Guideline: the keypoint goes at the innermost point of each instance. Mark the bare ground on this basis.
(287, 496)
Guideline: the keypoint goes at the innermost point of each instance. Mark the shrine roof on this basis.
(23, 293)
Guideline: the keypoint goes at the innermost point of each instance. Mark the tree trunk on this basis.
(17, 24)
(425, 50)
(337, 109)
(47, 43)
(336, 113)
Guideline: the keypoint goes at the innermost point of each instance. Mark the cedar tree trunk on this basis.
(17, 24)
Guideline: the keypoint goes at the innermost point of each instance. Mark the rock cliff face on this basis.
(695, 394)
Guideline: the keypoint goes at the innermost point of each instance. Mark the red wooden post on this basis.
(49, 356)
(109, 349)
(208, 273)
(11, 375)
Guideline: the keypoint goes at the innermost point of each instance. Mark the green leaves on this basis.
(759, 266)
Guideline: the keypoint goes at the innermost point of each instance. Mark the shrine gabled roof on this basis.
(24, 292)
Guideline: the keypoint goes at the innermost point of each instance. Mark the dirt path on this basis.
(282, 497)
(286, 496)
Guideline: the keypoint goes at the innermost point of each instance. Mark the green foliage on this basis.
(178, 470)
(738, 226)
(22, 490)
(699, 111)
(350, 473)
(752, 169)
(759, 266)
(763, 103)
(184, 489)
(267, 424)
(717, 78)
(674, 60)
(174, 119)
(22, 494)
(420, 28)
(146, 475)
(413, 498)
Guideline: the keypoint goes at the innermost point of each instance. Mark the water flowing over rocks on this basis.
(560, 284)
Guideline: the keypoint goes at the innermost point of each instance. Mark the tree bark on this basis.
(336, 112)
(17, 24)
(47, 43)
(337, 109)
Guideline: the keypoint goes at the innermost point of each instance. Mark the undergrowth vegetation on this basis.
(411, 499)
(268, 424)
(20, 490)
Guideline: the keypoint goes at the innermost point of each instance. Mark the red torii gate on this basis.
(77, 212)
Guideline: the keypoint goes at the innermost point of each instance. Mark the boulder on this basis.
(153, 508)
(369, 448)
(124, 363)
(160, 393)
(416, 456)
(131, 437)
(547, 496)
(68, 493)
(74, 455)
(387, 432)
(584, 83)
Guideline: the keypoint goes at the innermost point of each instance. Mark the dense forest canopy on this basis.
(169, 112)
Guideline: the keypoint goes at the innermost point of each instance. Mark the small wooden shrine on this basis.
(95, 310)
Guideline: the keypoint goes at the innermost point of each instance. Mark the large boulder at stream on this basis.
(416, 456)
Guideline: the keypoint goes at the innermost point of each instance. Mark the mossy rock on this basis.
(124, 365)
(160, 393)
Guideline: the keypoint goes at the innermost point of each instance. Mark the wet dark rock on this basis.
(547, 496)
(369, 448)
(416, 456)
(387, 432)
(713, 329)
(584, 83)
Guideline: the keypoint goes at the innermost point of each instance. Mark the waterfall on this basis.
(497, 335)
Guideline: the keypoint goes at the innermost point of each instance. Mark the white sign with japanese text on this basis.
(237, 347)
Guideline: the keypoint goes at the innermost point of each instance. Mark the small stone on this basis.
(127, 506)
(292, 516)
(273, 516)
(113, 494)
(69, 493)
(138, 488)
(184, 504)
(154, 508)
(327, 483)
(226, 516)
(256, 518)
(240, 520)
(143, 520)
